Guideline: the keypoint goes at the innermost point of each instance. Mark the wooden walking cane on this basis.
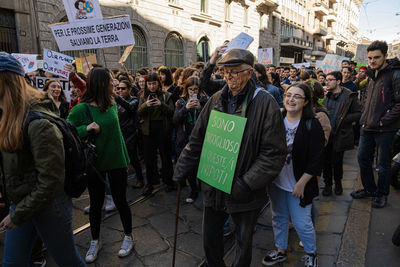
(178, 199)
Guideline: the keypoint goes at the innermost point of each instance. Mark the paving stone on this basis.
(190, 243)
(197, 228)
(332, 207)
(263, 239)
(163, 199)
(190, 214)
(114, 222)
(108, 236)
(145, 209)
(165, 259)
(164, 223)
(326, 260)
(148, 241)
(328, 244)
(108, 256)
(331, 223)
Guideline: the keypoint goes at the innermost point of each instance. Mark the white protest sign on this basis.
(28, 61)
(39, 83)
(332, 63)
(54, 62)
(265, 56)
(78, 10)
(242, 41)
(298, 65)
(92, 34)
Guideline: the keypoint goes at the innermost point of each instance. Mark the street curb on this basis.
(355, 236)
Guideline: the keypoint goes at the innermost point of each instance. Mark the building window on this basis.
(138, 57)
(8, 32)
(246, 16)
(227, 9)
(173, 50)
(82, 53)
(203, 49)
(273, 23)
(204, 6)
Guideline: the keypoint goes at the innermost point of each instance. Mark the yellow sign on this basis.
(84, 64)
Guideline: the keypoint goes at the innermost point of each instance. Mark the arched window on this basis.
(203, 49)
(173, 50)
(138, 57)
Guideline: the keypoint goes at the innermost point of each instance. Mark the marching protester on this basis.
(346, 80)
(167, 83)
(98, 112)
(187, 110)
(32, 167)
(156, 110)
(344, 109)
(293, 191)
(379, 122)
(127, 114)
(261, 74)
(261, 157)
(55, 89)
(292, 78)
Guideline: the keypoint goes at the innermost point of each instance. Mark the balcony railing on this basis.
(295, 42)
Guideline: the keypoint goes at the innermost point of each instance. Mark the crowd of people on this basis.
(299, 124)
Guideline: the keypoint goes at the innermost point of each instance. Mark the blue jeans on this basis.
(54, 226)
(366, 150)
(283, 205)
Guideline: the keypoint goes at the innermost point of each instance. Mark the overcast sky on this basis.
(378, 20)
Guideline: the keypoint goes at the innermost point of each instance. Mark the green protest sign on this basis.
(221, 149)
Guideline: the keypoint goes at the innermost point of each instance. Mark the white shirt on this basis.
(286, 179)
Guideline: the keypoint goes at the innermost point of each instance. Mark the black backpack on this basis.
(78, 154)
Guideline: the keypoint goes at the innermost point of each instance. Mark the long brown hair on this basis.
(98, 89)
(190, 82)
(15, 94)
(62, 94)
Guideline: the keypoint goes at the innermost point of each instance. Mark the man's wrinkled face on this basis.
(376, 59)
(237, 76)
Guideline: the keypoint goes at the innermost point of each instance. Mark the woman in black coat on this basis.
(295, 187)
(187, 110)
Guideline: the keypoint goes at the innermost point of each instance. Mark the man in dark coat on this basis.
(379, 122)
(344, 109)
(261, 157)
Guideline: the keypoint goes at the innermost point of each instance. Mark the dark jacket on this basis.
(261, 156)
(351, 86)
(34, 175)
(383, 99)
(165, 110)
(349, 112)
(184, 121)
(308, 146)
(175, 92)
(64, 109)
(127, 115)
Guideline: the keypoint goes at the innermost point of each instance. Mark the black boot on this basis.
(379, 202)
(327, 190)
(338, 188)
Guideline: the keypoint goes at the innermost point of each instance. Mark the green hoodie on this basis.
(34, 175)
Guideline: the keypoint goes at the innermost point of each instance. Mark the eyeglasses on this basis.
(121, 88)
(329, 80)
(295, 96)
(234, 74)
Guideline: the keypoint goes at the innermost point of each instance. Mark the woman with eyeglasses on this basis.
(295, 187)
(127, 114)
(156, 109)
(187, 110)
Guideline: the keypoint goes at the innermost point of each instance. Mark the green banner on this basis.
(221, 150)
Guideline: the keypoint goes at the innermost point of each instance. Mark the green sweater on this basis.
(111, 149)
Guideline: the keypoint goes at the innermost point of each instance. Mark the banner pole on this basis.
(104, 58)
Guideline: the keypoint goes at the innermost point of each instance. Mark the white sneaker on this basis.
(126, 247)
(301, 244)
(110, 206)
(86, 210)
(91, 255)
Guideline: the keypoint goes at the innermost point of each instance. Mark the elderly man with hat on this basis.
(261, 157)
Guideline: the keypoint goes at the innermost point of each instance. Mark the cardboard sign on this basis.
(92, 34)
(221, 150)
(39, 83)
(298, 65)
(265, 56)
(84, 64)
(332, 63)
(28, 61)
(54, 62)
(78, 10)
(126, 54)
(242, 41)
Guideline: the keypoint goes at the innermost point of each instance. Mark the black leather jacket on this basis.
(127, 114)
